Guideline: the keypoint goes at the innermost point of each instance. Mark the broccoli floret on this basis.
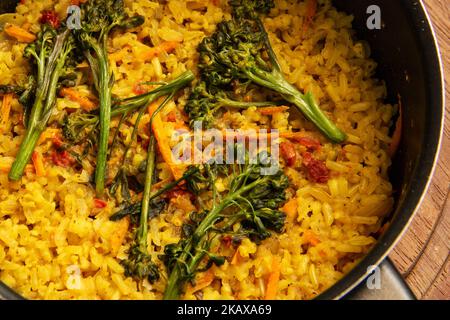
(237, 50)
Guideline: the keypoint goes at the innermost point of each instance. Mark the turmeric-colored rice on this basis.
(57, 243)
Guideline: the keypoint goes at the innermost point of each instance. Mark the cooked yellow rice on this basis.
(54, 243)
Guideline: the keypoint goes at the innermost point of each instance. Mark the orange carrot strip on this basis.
(290, 208)
(19, 34)
(75, 96)
(119, 236)
(311, 238)
(268, 111)
(6, 108)
(397, 136)
(293, 135)
(163, 143)
(272, 282)
(38, 162)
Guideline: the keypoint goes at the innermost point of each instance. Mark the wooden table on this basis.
(422, 256)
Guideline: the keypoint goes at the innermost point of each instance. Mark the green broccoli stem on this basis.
(105, 92)
(243, 105)
(133, 103)
(25, 152)
(139, 262)
(141, 234)
(304, 102)
(150, 170)
(43, 105)
(189, 261)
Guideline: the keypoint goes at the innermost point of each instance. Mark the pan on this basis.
(404, 45)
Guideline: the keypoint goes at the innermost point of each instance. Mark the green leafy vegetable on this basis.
(252, 201)
(237, 51)
(51, 55)
(99, 18)
(204, 104)
(139, 264)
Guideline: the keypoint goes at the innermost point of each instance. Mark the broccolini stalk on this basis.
(134, 103)
(252, 200)
(99, 18)
(120, 181)
(139, 264)
(51, 56)
(204, 105)
(237, 50)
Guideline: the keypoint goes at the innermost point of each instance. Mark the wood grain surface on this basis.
(422, 256)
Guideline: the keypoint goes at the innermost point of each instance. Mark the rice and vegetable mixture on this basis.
(57, 238)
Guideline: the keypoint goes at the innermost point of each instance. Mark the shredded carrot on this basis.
(6, 109)
(172, 116)
(311, 10)
(272, 282)
(100, 204)
(168, 47)
(311, 238)
(19, 34)
(310, 143)
(163, 143)
(397, 136)
(290, 208)
(204, 281)
(236, 258)
(268, 111)
(38, 162)
(75, 96)
(293, 135)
